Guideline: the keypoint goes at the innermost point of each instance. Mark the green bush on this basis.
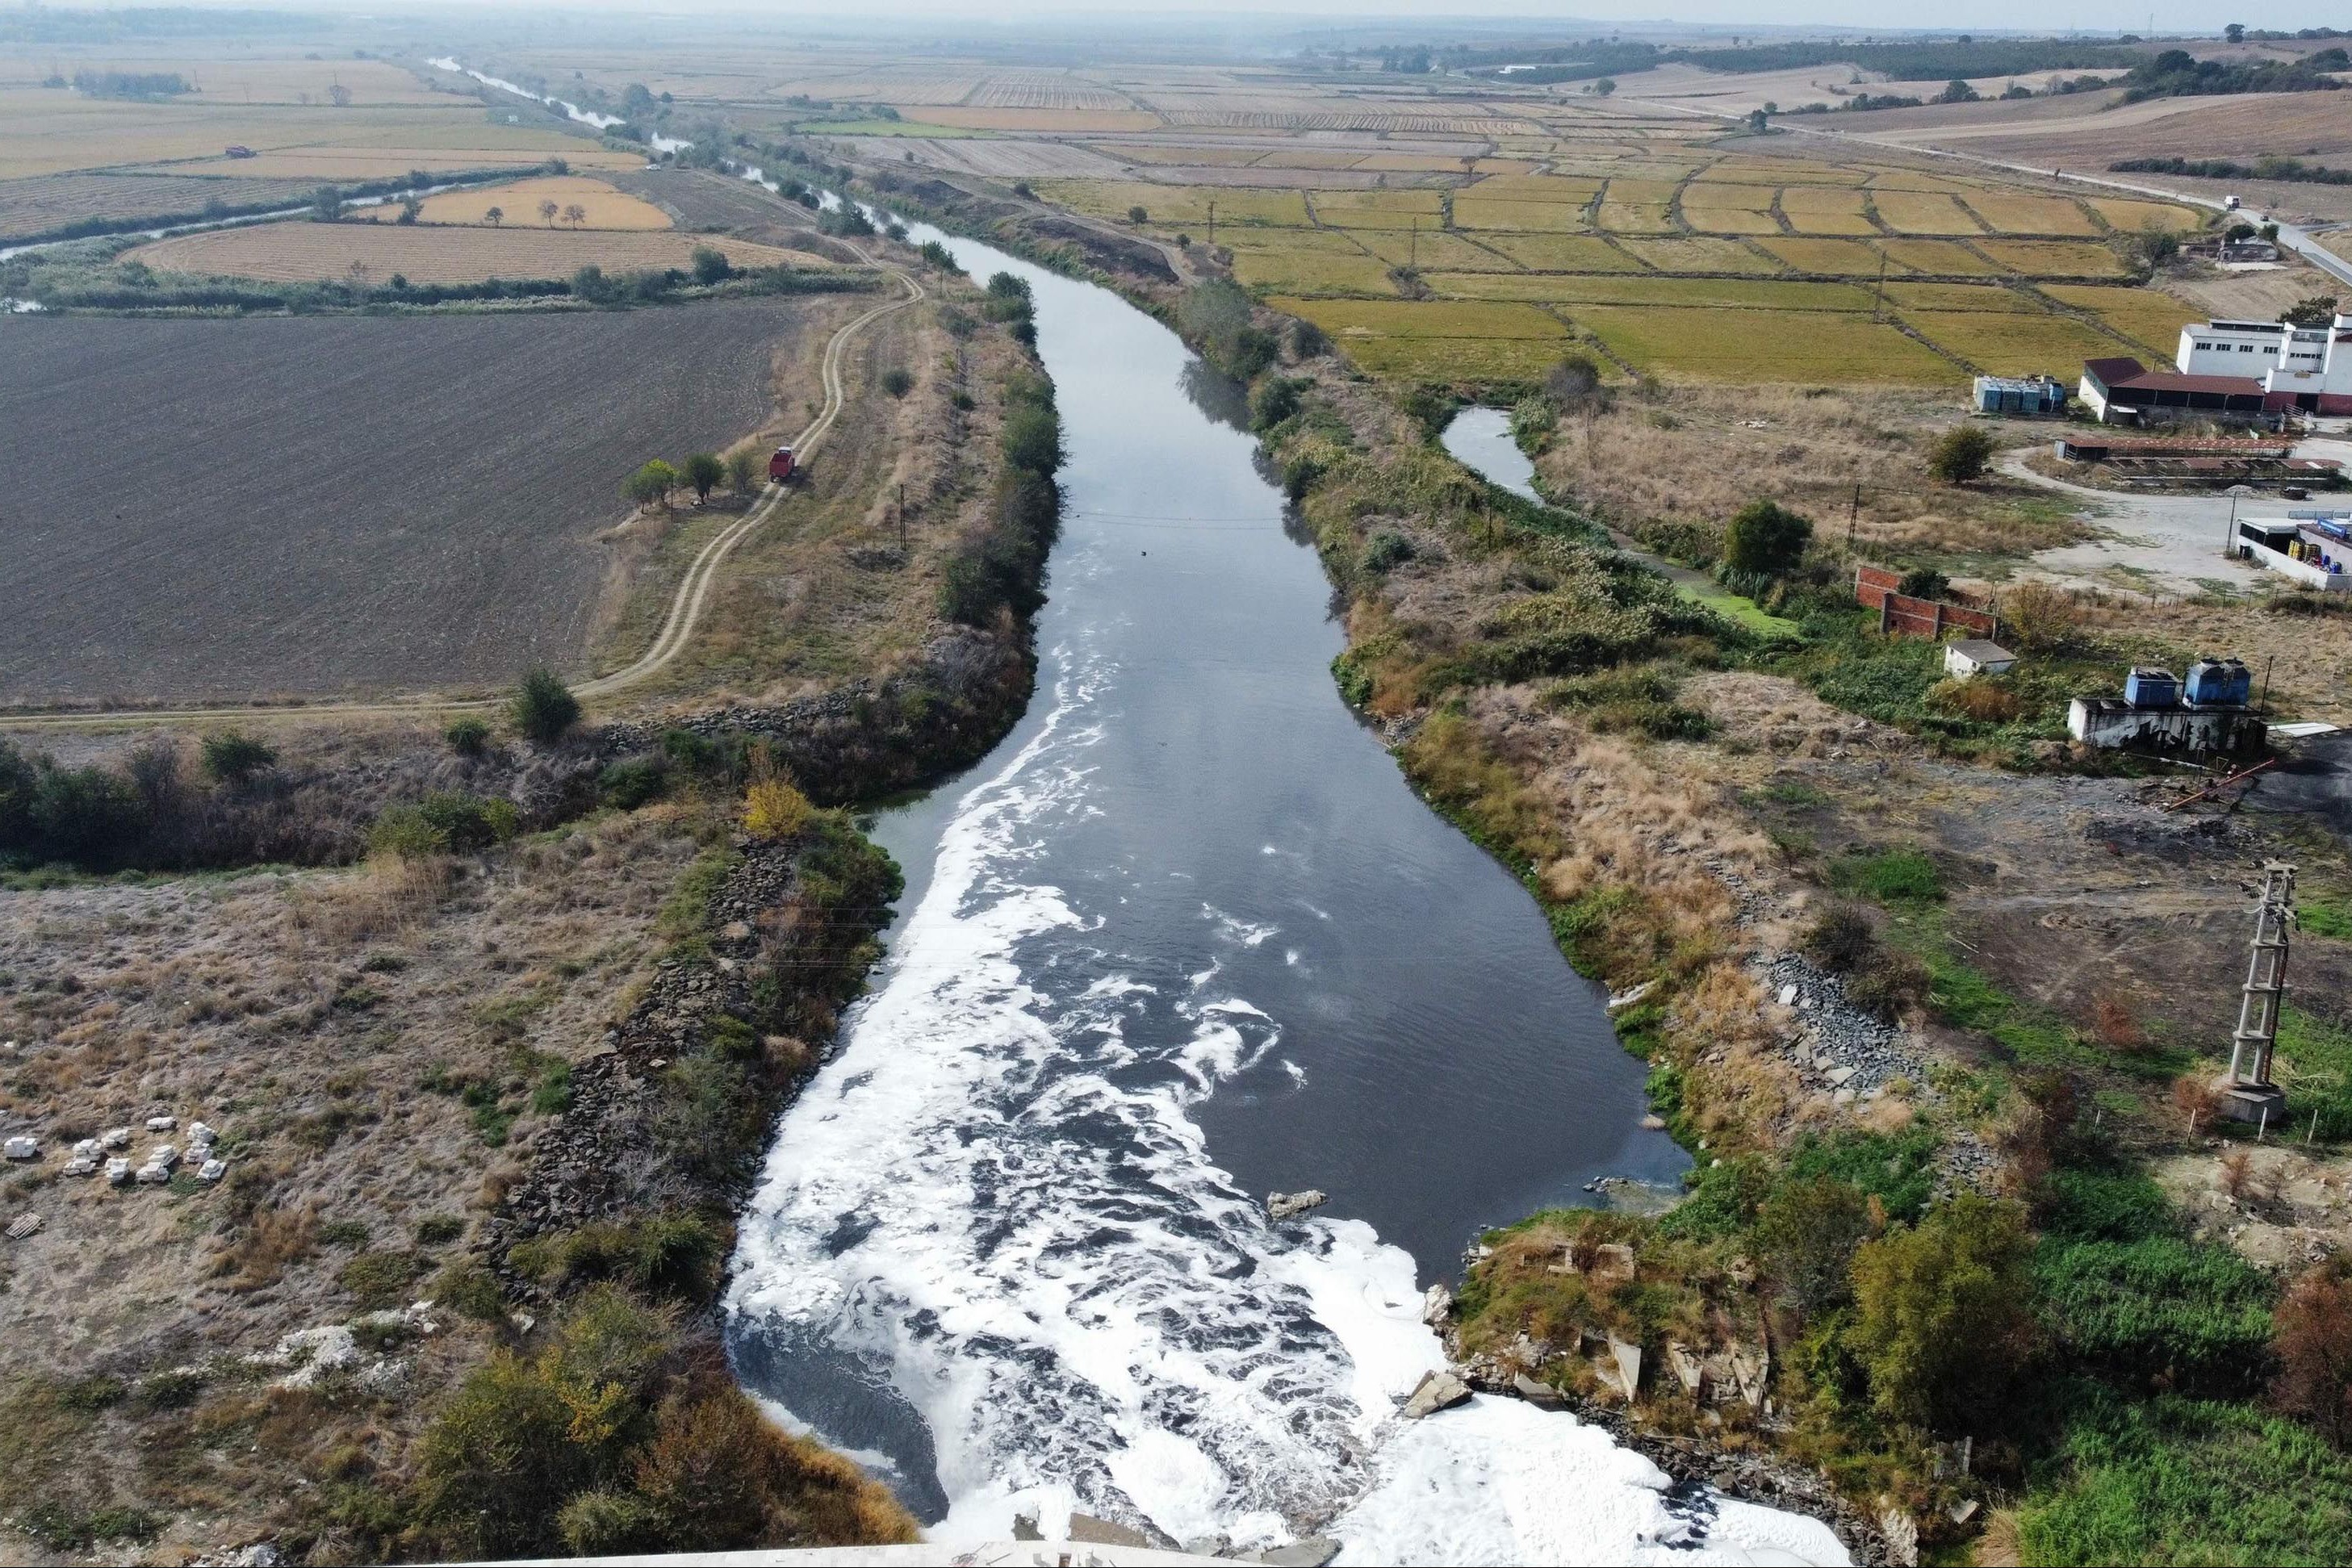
(448, 822)
(1897, 1168)
(1895, 877)
(543, 708)
(710, 265)
(2187, 1315)
(1809, 1230)
(1943, 1321)
(1960, 455)
(704, 471)
(632, 781)
(1841, 938)
(1276, 399)
(897, 384)
(467, 736)
(1765, 538)
(673, 1253)
(233, 758)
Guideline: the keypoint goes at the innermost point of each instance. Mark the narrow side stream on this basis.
(1186, 937)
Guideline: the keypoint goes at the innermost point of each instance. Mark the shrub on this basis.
(467, 736)
(1981, 698)
(443, 823)
(1960, 455)
(1386, 550)
(1924, 582)
(710, 265)
(1889, 984)
(744, 474)
(1942, 1323)
(543, 708)
(1138, 215)
(1765, 539)
(897, 382)
(2041, 618)
(772, 809)
(631, 782)
(1573, 381)
(609, 1523)
(2312, 1342)
(380, 1281)
(1809, 1230)
(1891, 876)
(1276, 399)
(1841, 938)
(667, 1254)
(233, 758)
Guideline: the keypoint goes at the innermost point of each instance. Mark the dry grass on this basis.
(1692, 455)
(305, 252)
(601, 206)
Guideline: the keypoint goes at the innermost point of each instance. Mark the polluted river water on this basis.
(1183, 938)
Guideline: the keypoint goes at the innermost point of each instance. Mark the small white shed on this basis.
(1975, 656)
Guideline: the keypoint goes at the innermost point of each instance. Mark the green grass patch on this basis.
(2313, 1062)
(1893, 877)
(2178, 1480)
(2324, 916)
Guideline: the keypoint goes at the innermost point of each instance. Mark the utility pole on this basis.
(2246, 1091)
(1878, 305)
(1413, 253)
(902, 519)
(1212, 224)
(1853, 516)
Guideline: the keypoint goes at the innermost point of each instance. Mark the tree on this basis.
(897, 382)
(547, 211)
(2040, 618)
(339, 96)
(1960, 455)
(543, 707)
(233, 758)
(576, 215)
(2316, 312)
(1604, 86)
(710, 265)
(1766, 538)
(1758, 121)
(743, 471)
(1138, 215)
(326, 204)
(2235, 33)
(495, 216)
(651, 485)
(2312, 1340)
(1809, 1230)
(703, 470)
(1956, 91)
(1943, 1315)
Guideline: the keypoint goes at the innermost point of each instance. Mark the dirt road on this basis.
(2165, 544)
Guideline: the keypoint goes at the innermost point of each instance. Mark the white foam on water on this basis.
(1499, 1481)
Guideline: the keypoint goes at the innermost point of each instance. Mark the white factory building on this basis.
(2299, 368)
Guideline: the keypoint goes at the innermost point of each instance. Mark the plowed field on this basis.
(305, 252)
(224, 508)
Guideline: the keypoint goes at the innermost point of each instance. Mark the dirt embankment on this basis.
(500, 1077)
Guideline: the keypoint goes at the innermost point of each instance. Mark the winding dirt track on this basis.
(677, 629)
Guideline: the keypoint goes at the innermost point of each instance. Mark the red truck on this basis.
(780, 466)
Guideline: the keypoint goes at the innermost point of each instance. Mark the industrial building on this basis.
(2210, 713)
(2257, 371)
(2313, 547)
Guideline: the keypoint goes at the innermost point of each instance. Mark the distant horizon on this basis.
(2019, 18)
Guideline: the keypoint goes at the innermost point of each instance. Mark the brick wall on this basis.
(1900, 615)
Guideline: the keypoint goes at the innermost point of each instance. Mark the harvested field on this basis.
(305, 252)
(1376, 209)
(1537, 217)
(1938, 256)
(1061, 119)
(1431, 249)
(604, 207)
(1923, 213)
(50, 202)
(334, 165)
(1834, 256)
(1698, 255)
(1311, 271)
(1561, 253)
(1635, 219)
(332, 504)
(2053, 258)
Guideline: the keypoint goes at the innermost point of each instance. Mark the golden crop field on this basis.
(1457, 360)
(306, 252)
(1378, 209)
(2008, 343)
(1299, 271)
(1729, 293)
(1825, 209)
(1764, 346)
(1698, 254)
(1561, 253)
(1938, 256)
(2151, 316)
(1959, 297)
(519, 202)
(2132, 216)
(1920, 213)
(2010, 212)
(1522, 217)
(1625, 218)
(1729, 220)
(2054, 258)
(1839, 256)
(1348, 318)
(1432, 248)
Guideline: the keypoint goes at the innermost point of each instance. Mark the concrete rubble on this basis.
(23, 1225)
(1280, 1206)
(162, 1123)
(114, 1138)
(1437, 1306)
(1436, 1391)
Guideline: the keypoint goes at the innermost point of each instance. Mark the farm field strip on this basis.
(308, 251)
(520, 201)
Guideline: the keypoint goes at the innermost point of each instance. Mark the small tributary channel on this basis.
(1186, 937)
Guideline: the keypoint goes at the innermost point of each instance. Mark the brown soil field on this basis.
(351, 163)
(301, 252)
(2259, 295)
(265, 77)
(606, 208)
(329, 504)
(47, 202)
(1078, 120)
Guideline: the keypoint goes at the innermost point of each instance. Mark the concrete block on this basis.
(162, 1123)
(114, 1138)
(118, 1172)
(22, 1149)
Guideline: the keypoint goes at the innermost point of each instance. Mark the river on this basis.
(1183, 938)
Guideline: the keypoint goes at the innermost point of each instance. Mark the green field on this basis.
(1731, 293)
(2009, 344)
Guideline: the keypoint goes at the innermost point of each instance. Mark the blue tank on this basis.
(2219, 683)
(2147, 686)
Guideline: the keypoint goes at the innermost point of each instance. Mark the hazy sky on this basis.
(2194, 16)
(2038, 15)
